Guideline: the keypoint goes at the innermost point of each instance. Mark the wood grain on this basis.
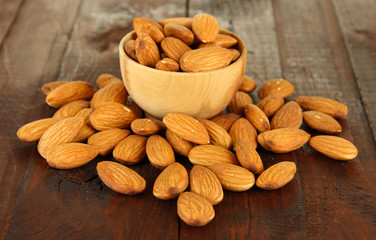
(8, 14)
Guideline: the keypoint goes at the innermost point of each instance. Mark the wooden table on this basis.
(325, 48)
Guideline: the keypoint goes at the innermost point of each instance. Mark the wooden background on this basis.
(324, 47)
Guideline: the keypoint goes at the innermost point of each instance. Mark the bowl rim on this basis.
(221, 30)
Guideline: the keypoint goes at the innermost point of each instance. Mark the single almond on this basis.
(180, 145)
(105, 141)
(167, 64)
(279, 87)
(233, 177)
(238, 102)
(174, 48)
(147, 51)
(71, 109)
(105, 79)
(205, 27)
(226, 120)
(187, 128)
(235, 55)
(205, 59)
(159, 122)
(283, 140)
(321, 122)
(225, 41)
(138, 112)
(48, 87)
(248, 84)
(243, 129)
(145, 126)
(148, 26)
(159, 152)
(113, 92)
(85, 114)
(194, 209)
(70, 155)
(111, 115)
(248, 157)
(69, 92)
(131, 150)
(172, 181)
(33, 131)
(120, 178)
(218, 135)
(206, 155)
(257, 117)
(289, 115)
(334, 147)
(180, 32)
(321, 104)
(184, 21)
(154, 32)
(270, 105)
(130, 49)
(276, 176)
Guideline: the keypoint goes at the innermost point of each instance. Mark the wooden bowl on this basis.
(201, 94)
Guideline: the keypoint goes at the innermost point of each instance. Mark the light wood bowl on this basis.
(201, 94)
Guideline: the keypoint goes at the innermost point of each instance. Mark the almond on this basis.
(85, 114)
(226, 120)
(172, 181)
(276, 176)
(206, 155)
(321, 104)
(69, 92)
(279, 87)
(187, 128)
(180, 145)
(235, 56)
(174, 48)
(257, 117)
(208, 45)
(225, 41)
(70, 155)
(243, 129)
(120, 179)
(71, 109)
(205, 27)
(180, 32)
(105, 141)
(194, 209)
(159, 122)
(289, 115)
(154, 32)
(204, 182)
(131, 150)
(130, 49)
(205, 59)
(321, 122)
(148, 26)
(159, 152)
(48, 87)
(334, 147)
(167, 64)
(271, 104)
(218, 135)
(33, 131)
(248, 157)
(283, 140)
(111, 115)
(138, 112)
(248, 84)
(238, 103)
(113, 92)
(86, 131)
(147, 51)
(233, 177)
(62, 131)
(145, 126)
(184, 21)
(105, 79)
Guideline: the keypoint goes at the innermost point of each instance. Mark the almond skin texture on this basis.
(206, 155)
(155, 33)
(235, 56)
(174, 48)
(279, 87)
(205, 59)
(271, 104)
(194, 209)
(180, 32)
(70, 155)
(148, 26)
(276, 176)
(167, 64)
(145, 126)
(159, 152)
(85, 114)
(225, 41)
(205, 27)
(172, 181)
(106, 78)
(248, 157)
(130, 150)
(48, 87)
(289, 115)
(233, 177)
(321, 104)
(204, 182)
(63, 131)
(120, 178)
(243, 129)
(130, 49)
(248, 84)
(86, 131)
(33, 131)
(111, 115)
(226, 120)
(147, 51)
(238, 102)
(184, 21)
(187, 128)
(208, 45)
(113, 92)
(71, 109)
(334, 147)
(105, 141)
(283, 140)
(218, 135)
(180, 145)
(257, 117)
(69, 92)
(321, 122)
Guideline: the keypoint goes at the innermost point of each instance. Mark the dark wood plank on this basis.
(8, 13)
(358, 25)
